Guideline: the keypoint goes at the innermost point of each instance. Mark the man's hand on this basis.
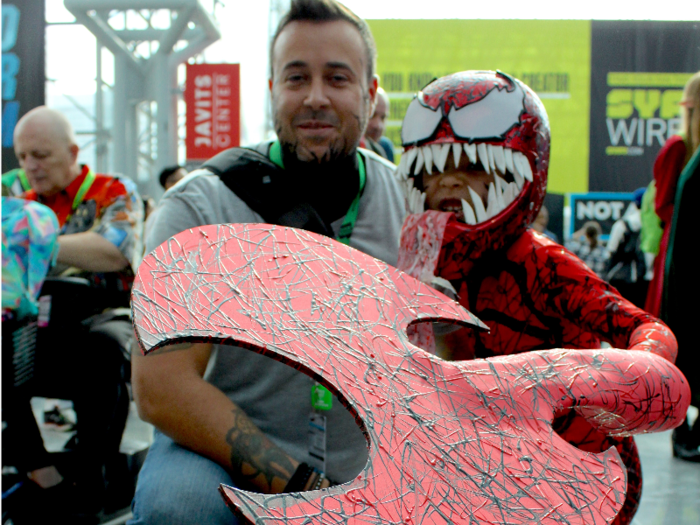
(91, 252)
(170, 393)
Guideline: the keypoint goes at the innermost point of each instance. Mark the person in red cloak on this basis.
(476, 154)
(669, 164)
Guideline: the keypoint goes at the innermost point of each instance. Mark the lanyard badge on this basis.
(321, 401)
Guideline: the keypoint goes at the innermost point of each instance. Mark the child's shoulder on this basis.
(531, 243)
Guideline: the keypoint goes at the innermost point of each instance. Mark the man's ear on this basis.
(372, 89)
(74, 150)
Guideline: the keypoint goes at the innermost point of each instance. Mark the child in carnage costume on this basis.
(476, 154)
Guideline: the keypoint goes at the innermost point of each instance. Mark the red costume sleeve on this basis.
(667, 169)
(568, 287)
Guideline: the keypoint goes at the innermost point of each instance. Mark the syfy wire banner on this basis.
(23, 74)
(639, 69)
(413, 52)
(212, 96)
(603, 208)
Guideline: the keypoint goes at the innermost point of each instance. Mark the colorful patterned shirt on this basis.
(112, 208)
(29, 248)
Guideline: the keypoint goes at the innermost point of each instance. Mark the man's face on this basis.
(445, 191)
(46, 157)
(321, 97)
(376, 125)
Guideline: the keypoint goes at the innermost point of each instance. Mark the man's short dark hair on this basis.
(166, 173)
(328, 11)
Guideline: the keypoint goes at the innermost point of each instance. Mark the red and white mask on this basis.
(476, 143)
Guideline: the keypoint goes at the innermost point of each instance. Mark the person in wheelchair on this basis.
(84, 335)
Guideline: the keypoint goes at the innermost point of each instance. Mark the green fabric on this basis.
(686, 174)
(10, 177)
(651, 223)
(681, 285)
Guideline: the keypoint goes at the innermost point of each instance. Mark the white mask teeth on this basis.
(491, 202)
(470, 150)
(402, 169)
(442, 158)
(478, 206)
(522, 166)
(519, 181)
(509, 160)
(499, 158)
(500, 187)
(436, 150)
(402, 163)
(507, 194)
(416, 202)
(419, 161)
(494, 159)
(410, 159)
(456, 152)
(492, 164)
(517, 170)
(428, 158)
(409, 186)
(483, 156)
(469, 216)
(527, 169)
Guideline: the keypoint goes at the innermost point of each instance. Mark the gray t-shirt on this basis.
(276, 397)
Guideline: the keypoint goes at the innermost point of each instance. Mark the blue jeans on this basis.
(179, 487)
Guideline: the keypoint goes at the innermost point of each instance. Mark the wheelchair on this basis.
(35, 352)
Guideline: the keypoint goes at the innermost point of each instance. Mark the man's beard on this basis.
(337, 152)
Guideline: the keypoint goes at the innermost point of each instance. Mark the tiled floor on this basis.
(671, 492)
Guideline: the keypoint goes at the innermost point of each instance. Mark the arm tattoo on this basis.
(256, 460)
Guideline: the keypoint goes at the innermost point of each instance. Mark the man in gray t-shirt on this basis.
(228, 415)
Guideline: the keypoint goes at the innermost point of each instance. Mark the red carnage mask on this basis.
(488, 121)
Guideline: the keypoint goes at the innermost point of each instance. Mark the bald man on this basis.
(100, 224)
(80, 356)
(376, 126)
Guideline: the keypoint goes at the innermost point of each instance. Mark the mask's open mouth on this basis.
(510, 169)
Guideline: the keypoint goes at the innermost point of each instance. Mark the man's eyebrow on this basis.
(339, 65)
(293, 64)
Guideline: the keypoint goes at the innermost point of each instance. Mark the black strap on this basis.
(267, 189)
(301, 476)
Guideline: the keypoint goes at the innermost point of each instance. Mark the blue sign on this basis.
(602, 207)
(23, 75)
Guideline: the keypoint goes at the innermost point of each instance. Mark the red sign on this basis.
(212, 95)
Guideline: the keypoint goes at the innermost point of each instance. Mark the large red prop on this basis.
(450, 442)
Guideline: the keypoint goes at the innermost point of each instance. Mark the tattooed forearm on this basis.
(257, 463)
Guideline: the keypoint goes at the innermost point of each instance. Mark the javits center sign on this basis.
(638, 71)
(212, 96)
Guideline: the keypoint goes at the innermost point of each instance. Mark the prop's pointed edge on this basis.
(236, 505)
(251, 506)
